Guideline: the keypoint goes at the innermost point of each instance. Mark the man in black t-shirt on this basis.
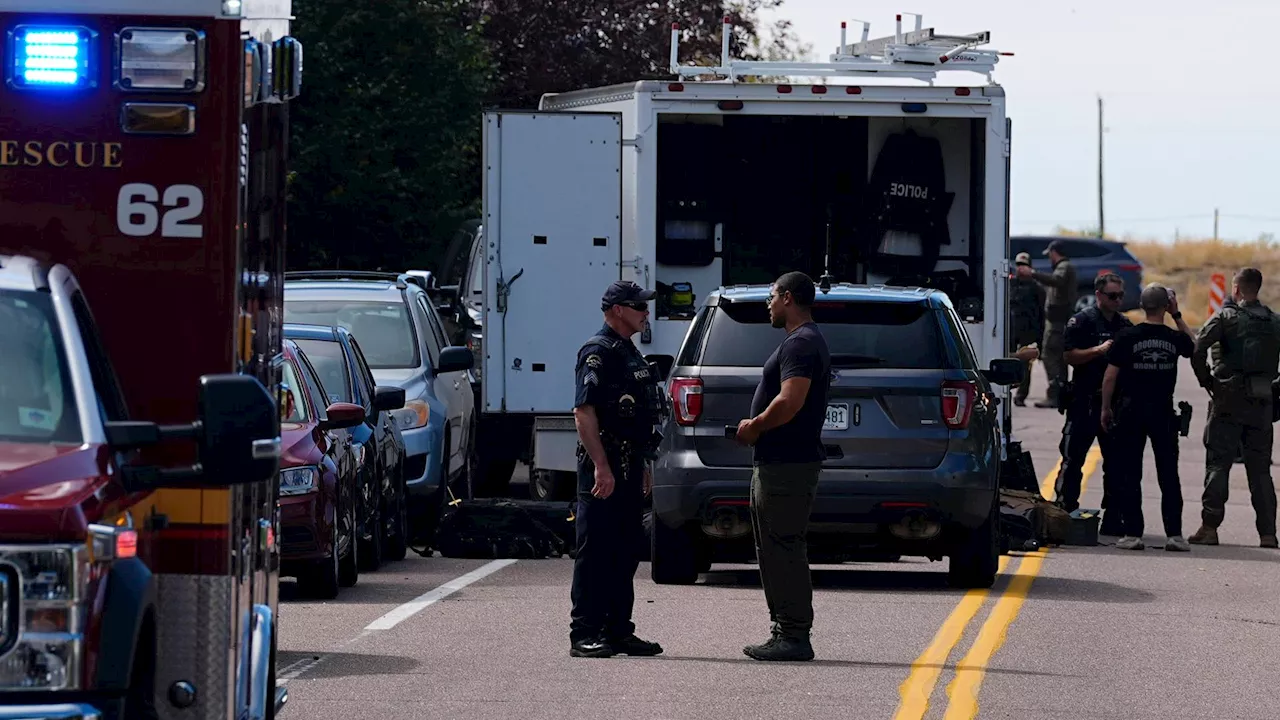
(1137, 403)
(785, 428)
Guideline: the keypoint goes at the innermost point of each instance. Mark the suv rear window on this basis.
(859, 334)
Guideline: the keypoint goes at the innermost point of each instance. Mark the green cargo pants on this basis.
(1233, 423)
(781, 498)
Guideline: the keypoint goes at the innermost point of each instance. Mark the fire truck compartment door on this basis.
(553, 231)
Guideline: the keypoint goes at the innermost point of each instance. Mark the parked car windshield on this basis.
(859, 335)
(383, 329)
(330, 364)
(37, 399)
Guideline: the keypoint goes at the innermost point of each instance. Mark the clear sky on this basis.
(1191, 97)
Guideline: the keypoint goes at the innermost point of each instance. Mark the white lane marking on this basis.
(396, 616)
(420, 603)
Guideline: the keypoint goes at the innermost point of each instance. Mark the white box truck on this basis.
(707, 180)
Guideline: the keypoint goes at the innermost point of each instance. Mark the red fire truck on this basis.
(143, 149)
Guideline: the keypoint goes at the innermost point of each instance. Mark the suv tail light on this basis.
(686, 399)
(957, 403)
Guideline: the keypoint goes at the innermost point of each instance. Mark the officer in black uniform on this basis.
(1086, 340)
(617, 405)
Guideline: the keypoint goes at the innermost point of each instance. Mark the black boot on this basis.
(632, 645)
(591, 648)
(781, 648)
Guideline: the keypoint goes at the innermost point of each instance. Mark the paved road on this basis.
(1066, 632)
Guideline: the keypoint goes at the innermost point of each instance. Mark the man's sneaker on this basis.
(1204, 536)
(782, 649)
(1177, 543)
(1269, 541)
(1130, 542)
(632, 645)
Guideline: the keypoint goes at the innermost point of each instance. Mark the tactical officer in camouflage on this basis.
(1240, 406)
(1059, 304)
(1026, 305)
(616, 406)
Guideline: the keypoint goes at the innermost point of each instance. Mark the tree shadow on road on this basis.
(853, 664)
(337, 664)
(935, 581)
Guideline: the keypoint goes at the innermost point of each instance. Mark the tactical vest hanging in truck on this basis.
(907, 197)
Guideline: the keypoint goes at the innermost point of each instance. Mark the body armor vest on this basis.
(1250, 347)
(634, 401)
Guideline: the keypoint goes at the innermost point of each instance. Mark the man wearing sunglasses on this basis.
(617, 404)
(1086, 340)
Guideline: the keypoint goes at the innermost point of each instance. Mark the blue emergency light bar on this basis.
(52, 57)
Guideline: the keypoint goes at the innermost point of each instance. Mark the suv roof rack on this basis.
(920, 54)
(401, 280)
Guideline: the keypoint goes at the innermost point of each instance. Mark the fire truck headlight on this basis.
(152, 59)
(52, 57)
(54, 587)
(299, 481)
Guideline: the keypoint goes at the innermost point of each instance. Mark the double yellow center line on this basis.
(962, 691)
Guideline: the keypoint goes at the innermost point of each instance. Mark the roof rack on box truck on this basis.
(143, 158)
(685, 187)
(919, 54)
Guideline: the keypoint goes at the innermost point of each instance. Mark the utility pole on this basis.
(1215, 224)
(1102, 223)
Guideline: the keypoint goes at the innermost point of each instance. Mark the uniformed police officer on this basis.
(1240, 406)
(617, 404)
(1026, 305)
(1060, 301)
(1087, 338)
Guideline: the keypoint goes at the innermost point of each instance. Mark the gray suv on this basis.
(912, 436)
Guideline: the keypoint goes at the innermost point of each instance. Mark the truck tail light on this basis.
(686, 399)
(957, 403)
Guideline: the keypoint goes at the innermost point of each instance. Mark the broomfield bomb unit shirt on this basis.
(1147, 356)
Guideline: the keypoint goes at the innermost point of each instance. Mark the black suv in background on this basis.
(1092, 257)
(912, 435)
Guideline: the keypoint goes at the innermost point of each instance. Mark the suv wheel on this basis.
(673, 555)
(398, 536)
(976, 564)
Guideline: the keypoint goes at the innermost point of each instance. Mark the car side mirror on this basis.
(342, 415)
(455, 359)
(661, 365)
(386, 398)
(1004, 371)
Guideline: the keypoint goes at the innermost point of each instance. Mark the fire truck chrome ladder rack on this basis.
(919, 54)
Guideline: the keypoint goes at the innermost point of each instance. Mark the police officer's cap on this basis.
(624, 291)
(1056, 245)
(1022, 258)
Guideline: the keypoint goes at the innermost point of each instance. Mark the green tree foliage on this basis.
(386, 133)
(542, 46)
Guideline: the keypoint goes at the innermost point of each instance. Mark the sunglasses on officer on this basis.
(1116, 296)
(637, 305)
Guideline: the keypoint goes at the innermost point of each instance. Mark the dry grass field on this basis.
(1186, 264)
